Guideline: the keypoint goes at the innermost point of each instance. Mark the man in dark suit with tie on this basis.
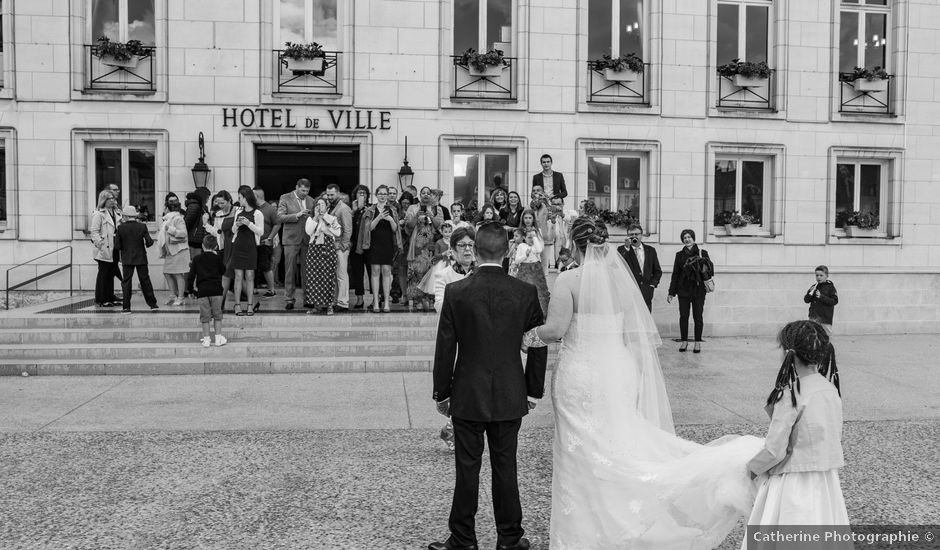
(131, 241)
(643, 262)
(479, 381)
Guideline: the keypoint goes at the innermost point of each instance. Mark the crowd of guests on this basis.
(400, 247)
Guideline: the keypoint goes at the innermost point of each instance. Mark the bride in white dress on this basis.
(621, 477)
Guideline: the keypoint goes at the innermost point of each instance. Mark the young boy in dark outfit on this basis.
(822, 299)
(209, 269)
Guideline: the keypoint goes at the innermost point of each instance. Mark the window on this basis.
(743, 31)
(306, 21)
(483, 25)
(478, 173)
(133, 169)
(614, 28)
(859, 188)
(742, 185)
(123, 20)
(613, 182)
(863, 34)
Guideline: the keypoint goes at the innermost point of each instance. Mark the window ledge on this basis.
(892, 119)
(763, 238)
(484, 104)
(880, 240)
(143, 96)
(619, 108)
(6, 93)
(731, 112)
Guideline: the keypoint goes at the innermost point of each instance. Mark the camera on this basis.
(634, 241)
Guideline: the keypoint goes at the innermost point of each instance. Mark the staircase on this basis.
(84, 342)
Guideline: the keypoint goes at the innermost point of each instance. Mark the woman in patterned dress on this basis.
(320, 267)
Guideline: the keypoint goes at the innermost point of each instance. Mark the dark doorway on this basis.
(278, 167)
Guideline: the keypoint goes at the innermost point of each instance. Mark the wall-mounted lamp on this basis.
(405, 174)
(201, 170)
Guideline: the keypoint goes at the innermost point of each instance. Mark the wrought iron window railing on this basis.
(738, 92)
(865, 96)
(615, 88)
(136, 75)
(324, 81)
(497, 83)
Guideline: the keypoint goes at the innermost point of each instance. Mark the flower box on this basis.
(625, 75)
(857, 232)
(865, 85)
(742, 81)
(750, 229)
(488, 70)
(307, 65)
(112, 61)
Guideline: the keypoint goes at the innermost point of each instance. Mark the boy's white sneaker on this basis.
(206, 341)
(220, 340)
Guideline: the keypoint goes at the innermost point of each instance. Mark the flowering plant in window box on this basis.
(746, 74)
(620, 218)
(868, 80)
(738, 224)
(862, 224)
(490, 63)
(303, 58)
(120, 54)
(625, 68)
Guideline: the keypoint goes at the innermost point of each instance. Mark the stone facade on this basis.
(395, 58)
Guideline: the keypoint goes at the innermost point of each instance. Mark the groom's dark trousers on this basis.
(477, 365)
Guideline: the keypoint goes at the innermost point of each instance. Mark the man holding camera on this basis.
(643, 262)
(560, 219)
(293, 209)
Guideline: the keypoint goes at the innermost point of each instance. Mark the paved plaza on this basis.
(353, 461)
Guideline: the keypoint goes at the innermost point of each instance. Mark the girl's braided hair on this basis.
(809, 341)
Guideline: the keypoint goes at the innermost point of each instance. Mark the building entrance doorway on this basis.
(278, 167)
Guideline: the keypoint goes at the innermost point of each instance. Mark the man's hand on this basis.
(443, 407)
(531, 405)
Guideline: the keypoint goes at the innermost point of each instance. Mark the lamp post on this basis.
(405, 173)
(201, 170)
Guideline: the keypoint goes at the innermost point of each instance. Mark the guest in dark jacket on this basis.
(643, 262)
(195, 218)
(689, 273)
(822, 299)
(131, 240)
(552, 182)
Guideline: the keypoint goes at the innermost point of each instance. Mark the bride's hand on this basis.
(669, 299)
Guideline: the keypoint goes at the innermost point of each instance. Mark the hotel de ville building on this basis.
(832, 149)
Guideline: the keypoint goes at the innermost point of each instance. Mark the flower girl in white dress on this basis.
(798, 468)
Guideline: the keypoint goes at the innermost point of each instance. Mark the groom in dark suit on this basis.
(480, 383)
(643, 262)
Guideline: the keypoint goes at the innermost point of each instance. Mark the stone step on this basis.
(190, 334)
(219, 365)
(235, 350)
(167, 320)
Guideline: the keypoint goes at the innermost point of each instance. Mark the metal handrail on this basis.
(43, 276)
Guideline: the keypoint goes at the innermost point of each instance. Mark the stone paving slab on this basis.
(328, 489)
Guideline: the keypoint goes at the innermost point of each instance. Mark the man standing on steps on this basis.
(343, 214)
(266, 248)
(131, 241)
(292, 212)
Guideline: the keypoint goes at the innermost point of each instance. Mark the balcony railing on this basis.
(322, 82)
(498, 86)
(865, 96)
(619, 92)
(136, 75)
(736, 92)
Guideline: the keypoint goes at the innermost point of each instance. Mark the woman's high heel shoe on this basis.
(697, 348)
(387, 308)
(360, 304)
(684, 346)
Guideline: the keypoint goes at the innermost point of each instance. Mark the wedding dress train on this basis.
(621, 477)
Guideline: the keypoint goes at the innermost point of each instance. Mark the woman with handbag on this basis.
(692, 275)
(174, 249)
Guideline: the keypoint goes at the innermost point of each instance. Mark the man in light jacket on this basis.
(293, 209)
(343, 214)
